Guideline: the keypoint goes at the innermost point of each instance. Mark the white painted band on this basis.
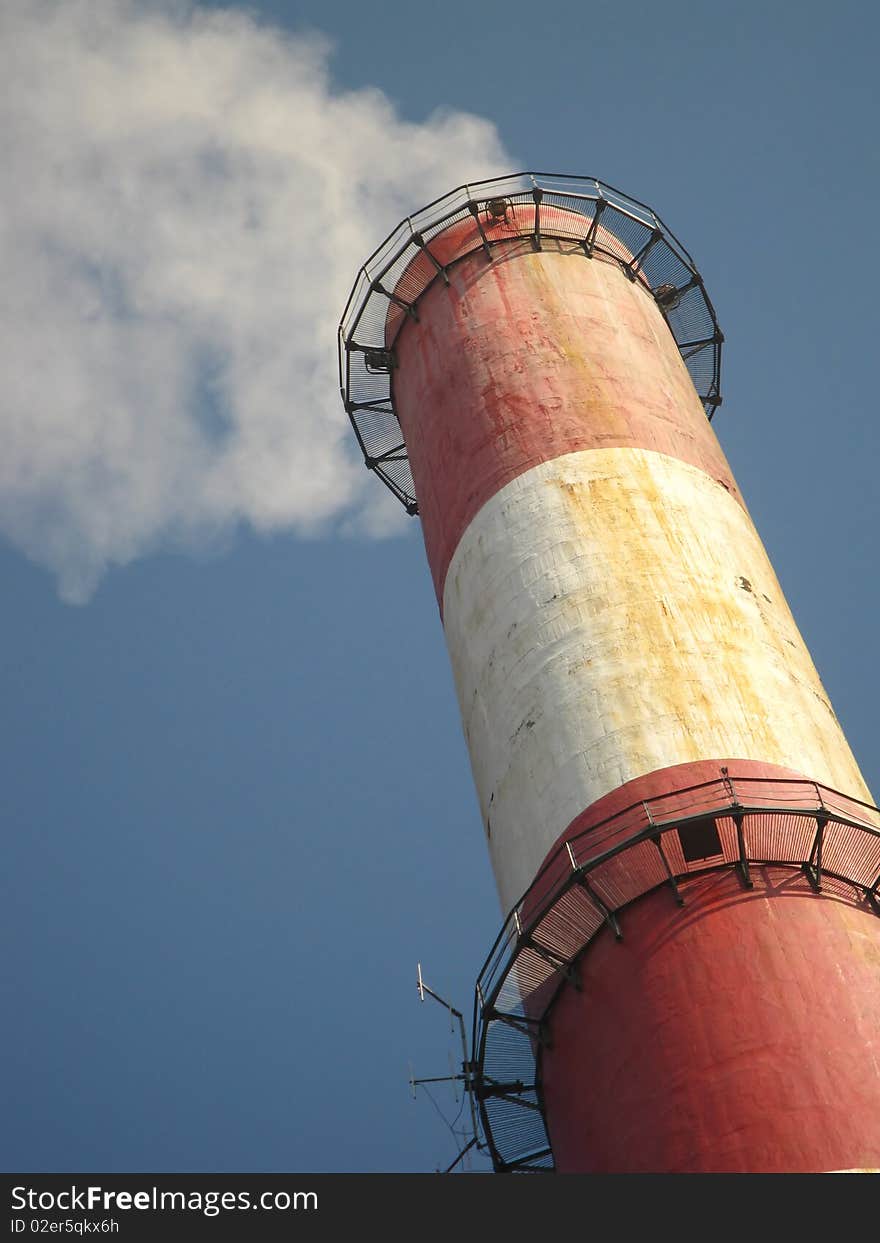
(613, 612)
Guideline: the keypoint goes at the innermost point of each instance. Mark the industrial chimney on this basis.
(688, 977)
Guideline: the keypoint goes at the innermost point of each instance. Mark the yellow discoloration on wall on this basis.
(610, 613)
(628, 337)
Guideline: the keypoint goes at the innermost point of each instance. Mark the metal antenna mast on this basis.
(466, 1077)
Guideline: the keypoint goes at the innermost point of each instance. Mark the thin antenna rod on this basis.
(464, 1150)
(467, 1073)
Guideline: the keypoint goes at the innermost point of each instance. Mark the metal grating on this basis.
(822, 836)
(547, 207)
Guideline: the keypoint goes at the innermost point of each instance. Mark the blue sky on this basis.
(236, 797)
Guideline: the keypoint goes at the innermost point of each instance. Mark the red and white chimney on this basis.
(683, 844)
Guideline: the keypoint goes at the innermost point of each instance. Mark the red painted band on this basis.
(728, 1035)
(527, 357)
(734, 1034)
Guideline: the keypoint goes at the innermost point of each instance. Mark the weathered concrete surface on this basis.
(610, 613)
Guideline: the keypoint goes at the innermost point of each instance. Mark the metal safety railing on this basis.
(737, 823)
(586, 214)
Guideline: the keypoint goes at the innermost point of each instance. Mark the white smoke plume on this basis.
(187, 201)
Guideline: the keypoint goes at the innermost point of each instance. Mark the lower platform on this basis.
(691, 984)
(740, 1033)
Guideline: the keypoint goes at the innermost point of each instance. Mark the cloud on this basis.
(188, 199)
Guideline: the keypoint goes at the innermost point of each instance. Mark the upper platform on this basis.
(493, 217)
